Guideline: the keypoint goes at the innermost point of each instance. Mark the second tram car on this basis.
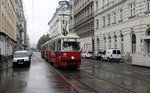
(62, 50)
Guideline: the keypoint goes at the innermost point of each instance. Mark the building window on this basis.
(97, 23)
(132, 9)
(122, 38)
(148, 31)
(63, 22)
(103, 21)
(104, 43)
(115, 38)
(103, 3)
(96, 5)
(122, 45)
(148, 5)
(108, 19)
(120, 15)
(133, 43)
(109, 39)
(109, 42)
(98, 44)
(114, 17)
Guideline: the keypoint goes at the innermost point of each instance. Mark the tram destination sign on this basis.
(72, 39)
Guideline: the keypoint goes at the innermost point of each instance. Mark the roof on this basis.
(73, 35)
(67, 36)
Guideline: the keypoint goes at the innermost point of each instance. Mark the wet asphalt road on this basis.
(92, 77)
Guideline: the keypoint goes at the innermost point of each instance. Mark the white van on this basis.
(21, 58)
(112, 54)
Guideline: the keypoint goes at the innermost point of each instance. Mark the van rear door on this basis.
(116, 54)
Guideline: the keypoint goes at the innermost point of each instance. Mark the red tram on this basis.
(62, 51)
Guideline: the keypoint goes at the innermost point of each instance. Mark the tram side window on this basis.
(53, 46)
(59, 45)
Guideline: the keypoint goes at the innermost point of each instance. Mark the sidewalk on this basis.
(5, 62)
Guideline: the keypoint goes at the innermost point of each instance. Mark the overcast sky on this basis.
(39, 13)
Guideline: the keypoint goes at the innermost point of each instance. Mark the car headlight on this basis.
(26, 59)
(14, 60)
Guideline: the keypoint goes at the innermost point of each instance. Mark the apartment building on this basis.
(60, 21)
(123, 24)
(7, 26)
(20, 26)
(82, 22)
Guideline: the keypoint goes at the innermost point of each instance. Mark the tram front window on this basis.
(71, 46)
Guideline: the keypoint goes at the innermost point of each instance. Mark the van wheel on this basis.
(108, 59)
(118, 61)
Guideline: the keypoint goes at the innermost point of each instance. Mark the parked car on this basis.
(30, 54)
(97, 55)
(21, 58)
(112, 54)
(86, 54)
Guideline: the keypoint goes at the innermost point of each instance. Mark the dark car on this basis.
(97, 55)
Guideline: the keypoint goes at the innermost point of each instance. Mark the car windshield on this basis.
(101, 52)
(21, 54)
(71, 46)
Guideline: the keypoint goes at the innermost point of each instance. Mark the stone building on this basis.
(60, 21)
(20, 26)
(7, 26)
(82, 22)
(7, 31)
(123, 24)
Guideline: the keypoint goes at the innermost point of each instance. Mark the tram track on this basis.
(130, 67)
(83, 87)
(125, 74)
(94, 76)
(80, 88)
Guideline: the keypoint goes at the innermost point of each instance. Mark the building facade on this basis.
(7, 27)
(59, 24)
(82, 22)
(20, 26)
(123, 24)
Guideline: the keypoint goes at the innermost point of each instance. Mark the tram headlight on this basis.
(72, 57)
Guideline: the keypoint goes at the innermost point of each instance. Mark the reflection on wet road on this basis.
(92, 77)
(39, 78)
